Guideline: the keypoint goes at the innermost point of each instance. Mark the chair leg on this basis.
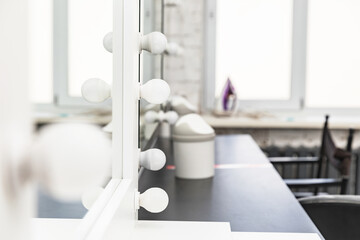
(356, 158)
(344, 184)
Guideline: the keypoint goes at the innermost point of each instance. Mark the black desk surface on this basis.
(250, 194)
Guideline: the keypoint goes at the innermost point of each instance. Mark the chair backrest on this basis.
(340, 159)
(336, 216)
(350, 140)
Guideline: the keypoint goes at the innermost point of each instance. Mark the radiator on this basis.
(308, 170)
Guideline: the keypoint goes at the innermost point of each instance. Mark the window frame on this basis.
(298, 71)
(61, 97)
(298, 64)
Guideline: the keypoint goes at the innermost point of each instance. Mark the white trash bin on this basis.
(194, 148)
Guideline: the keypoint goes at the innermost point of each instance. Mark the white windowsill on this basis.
(44, 114)
(283, 120)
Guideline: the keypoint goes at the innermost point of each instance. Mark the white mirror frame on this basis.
(114, 214)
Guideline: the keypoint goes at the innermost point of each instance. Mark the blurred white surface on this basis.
(274, 236)
(70, 158)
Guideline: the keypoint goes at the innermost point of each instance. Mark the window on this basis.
(252, 42)
(79, 28)
(253, 48)
(333, 54)
(66, 48)
(88, 22)
(41, 57)
(283, 53)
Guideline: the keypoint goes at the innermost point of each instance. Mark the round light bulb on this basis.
(108, 42)
(154, 200)
(95, 90)
(151, 116)
(71, 158)
(154, 42)
(153, 159)
(155, 91)
(171, 117)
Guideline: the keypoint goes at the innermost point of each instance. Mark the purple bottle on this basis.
(229, 96)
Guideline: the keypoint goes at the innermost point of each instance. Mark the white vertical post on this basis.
(125, 91)
(114, 214)
(117, 91)
(131, 88)
(16, 202)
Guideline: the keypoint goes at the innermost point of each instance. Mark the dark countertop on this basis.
(250, 195)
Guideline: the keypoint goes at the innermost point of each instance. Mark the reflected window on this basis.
(88, 22)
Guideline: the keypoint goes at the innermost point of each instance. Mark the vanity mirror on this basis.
(151, 68)
(83, 73)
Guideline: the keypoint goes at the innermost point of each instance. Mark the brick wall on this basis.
(184, 25)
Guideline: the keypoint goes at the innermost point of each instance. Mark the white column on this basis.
(16, 205)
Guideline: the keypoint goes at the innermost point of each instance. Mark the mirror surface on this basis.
(75, 62)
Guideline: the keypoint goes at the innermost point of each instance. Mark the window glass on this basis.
(40, 51)
(253, 48)
(333, 54)
(88, 22)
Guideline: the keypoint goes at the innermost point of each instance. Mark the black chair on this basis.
(336, 216)
(340, 159)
